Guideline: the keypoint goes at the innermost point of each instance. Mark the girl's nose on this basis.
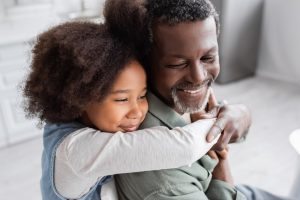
(135, 112)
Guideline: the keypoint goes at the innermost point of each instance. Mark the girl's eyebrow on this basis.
(124, 91)
(120, 91)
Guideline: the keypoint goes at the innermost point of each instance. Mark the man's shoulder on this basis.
(197, 170)
(180, 180)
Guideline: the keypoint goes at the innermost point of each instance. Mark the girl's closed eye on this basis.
(121, 100)
(143, 97)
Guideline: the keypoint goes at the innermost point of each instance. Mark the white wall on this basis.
(280, 41)
(1, 9)
(18, 27)
(239, 38)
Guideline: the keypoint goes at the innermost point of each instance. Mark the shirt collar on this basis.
(164, 113)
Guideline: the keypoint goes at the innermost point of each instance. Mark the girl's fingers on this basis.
(213, 155)
(217, 129)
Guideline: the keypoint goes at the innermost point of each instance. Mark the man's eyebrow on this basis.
(176, 56)
(213, 49)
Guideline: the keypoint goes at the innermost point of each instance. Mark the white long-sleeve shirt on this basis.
(87, 155)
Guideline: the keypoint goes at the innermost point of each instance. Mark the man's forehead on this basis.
(187, 36)
(163, 30)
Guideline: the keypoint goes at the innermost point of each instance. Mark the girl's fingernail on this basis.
(210, 138)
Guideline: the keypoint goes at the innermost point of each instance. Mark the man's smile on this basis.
(194, 90)
(195, 93)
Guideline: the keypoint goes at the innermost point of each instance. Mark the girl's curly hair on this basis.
(128, 19)
(73, 64)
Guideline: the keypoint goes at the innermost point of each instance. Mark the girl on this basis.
(86, 84)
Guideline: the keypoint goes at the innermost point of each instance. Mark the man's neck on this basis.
(186, 117)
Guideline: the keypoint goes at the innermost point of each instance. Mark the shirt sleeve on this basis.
(222, 190)
(87, 155)
(218, 190)
(185, 183)
(175, 193)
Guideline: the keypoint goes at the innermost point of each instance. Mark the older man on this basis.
(182, 63)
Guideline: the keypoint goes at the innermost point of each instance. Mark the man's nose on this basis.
(197, 72)
(135, 111)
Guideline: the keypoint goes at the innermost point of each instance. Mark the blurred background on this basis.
(259, 54)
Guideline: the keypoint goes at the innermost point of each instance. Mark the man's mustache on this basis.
(189, 86)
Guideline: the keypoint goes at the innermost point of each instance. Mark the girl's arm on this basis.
(87, 155)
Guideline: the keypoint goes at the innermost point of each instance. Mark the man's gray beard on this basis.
(181, 107)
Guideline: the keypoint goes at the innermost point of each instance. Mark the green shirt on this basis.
(186, 183)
